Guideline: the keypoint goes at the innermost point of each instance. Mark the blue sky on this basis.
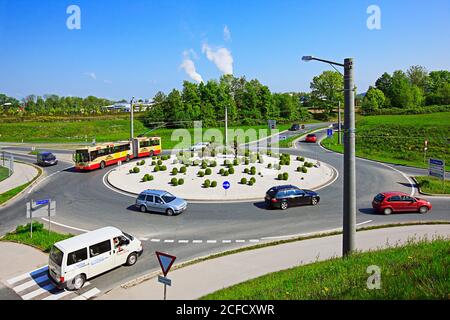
(135, 47)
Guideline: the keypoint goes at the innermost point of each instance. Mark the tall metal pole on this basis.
(349, 226)
(226, 127)
(339, 123)
(131, 120)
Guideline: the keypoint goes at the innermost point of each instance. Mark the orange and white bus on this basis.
(105, 154)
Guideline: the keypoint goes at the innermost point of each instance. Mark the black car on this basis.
(295, 127)
(46, 159)
(283, 197)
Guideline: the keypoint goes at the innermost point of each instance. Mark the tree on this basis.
(384, 83)
(373, 100)
(403, 94)
(418, 76)
(327, 89)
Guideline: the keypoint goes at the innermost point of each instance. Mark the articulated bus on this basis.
(105, 154)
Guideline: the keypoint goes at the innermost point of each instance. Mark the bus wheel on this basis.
(78, 282)
(102, 165)
(127, 159)
(151, 154)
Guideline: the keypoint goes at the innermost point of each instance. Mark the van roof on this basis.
(87, 239)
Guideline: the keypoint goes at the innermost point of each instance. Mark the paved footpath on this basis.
(23, 173)
(197, 280)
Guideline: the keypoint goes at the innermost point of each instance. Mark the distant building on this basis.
(126, 107)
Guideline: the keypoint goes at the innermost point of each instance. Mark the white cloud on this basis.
(226, 33)
(91, 75)
(189, 66)
(107, 81)
(221, 57)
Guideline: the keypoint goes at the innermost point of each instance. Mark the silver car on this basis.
(160, 201)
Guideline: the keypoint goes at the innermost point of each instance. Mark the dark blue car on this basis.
(283, 197)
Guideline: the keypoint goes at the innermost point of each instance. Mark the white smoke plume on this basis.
(221, 57)
(189, 67)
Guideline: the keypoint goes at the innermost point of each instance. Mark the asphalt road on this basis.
(84, 202)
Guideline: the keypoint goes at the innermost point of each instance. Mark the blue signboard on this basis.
(436, 168)
(226, 185)
(41, 202)
(329, 132)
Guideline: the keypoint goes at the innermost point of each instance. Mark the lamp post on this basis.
(131, 119)
(349, 221)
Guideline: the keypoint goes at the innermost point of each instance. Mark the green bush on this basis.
(213, 164)
(247, 153)
(252, 171)
(208, 171)
(142, 162)
(247, 162)
(163, 168)
(174, 181)
(285, 176)
(153, 163)
(280, 176)
(156, 168)
(231, 170)
(236, 162)
(226, 173)
(269, 166)
(180, 181)
(250, 183)
(174, 171)
(26, 229)
(204, 165)
(222, 171)
(253, 179)
(213, 184)
(304, 170)
(130, 171)
(136, 170)
(201, 174)
(243, 180)
(183, 170)
(160, 162)
(207, 183)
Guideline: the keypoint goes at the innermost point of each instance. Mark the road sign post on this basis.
(226, 185)
(40, 209)
(436, 168)
(165, 261)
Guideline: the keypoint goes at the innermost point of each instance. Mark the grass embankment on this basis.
(103, 131)
(4, 173)
(433, 185)
(42, 239)
(414, 271)
(12, 193)
(400, 139)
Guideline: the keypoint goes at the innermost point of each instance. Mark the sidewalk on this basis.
(197, 280)
(23, 173)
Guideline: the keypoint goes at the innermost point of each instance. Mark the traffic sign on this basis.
(226, 185)
(282, 138)
(329, 132)
(41, 202)
(436, 168)
(165, 281)
(165, 261)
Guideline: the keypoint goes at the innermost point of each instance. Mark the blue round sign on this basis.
(226, 185)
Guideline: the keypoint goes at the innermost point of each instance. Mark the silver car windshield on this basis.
(168, 197)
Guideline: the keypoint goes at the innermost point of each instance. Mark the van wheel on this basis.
(102, 165)
(284, 205)
(78, 282)
(132, 259)
(169, 212)
(423, 210)
(387, 211)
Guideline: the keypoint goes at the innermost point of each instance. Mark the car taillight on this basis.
(274, 200)
(61, 279)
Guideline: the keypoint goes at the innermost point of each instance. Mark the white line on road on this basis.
(31, 283)
(240, 241)
(211, 241)
(26, 275)
(197, 241)
(169, 241)
(47, 177)
(226, 241)
(365, 222)
(183, 241)
(65, 226)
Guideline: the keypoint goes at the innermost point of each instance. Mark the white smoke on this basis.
(189, 67)
(221, 57)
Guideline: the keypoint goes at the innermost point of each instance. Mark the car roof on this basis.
(87, 239)
(394, 193)
(45, 153)
(288, 186)
(155, 192)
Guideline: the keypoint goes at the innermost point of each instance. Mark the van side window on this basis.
(77, 256)
(100, 248)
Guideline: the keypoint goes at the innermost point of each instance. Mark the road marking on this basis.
(211, 241)
(155, 240)
(26, 275)
(47, 177)
(197, 241)
(143, 239)
(183, 241)
(87, 295)
(254, 240)
(58, 296)
(169, 241)
(226, 241)
(39, 291)
(31, 283)
(65, 226)
(240, 241)
(365, 222)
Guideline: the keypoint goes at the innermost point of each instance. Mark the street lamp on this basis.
(349, 223)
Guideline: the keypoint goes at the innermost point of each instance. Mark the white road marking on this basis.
(113, 189)
(240, 241)
(365, 222)
(155, 240)
(226, 241)
(87, 295)
(39, 291)
(183, 241)
(58, 295)
(254, 240)
(169, 241)
(197, 241)
(31, 283)
(26, 275)
(65, 226)
(211, 241)
(47, 177)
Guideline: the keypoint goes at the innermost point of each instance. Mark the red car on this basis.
(389, 202)
(311, 138)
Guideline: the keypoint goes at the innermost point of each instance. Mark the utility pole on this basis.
(226, 126)
(339, 123)
(349, 228)
(131, 119)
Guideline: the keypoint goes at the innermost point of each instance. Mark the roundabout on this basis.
(201, 178)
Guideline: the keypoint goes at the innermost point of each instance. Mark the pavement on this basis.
(197, 280)
(22, 174)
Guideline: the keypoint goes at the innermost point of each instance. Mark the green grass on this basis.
(414, 271)
(42, 239)
(4, 173)
(433, 185)
(12, 193)
(400, 139)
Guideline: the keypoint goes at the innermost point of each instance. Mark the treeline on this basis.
(52, 105)
(248, 102)
(415, 90)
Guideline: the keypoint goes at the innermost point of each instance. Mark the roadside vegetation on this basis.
(42, 238)
(4, 173)
(433, 185)
(410, 272)
(4, 197)
(400, 139)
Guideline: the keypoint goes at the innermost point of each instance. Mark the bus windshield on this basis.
(81, 156)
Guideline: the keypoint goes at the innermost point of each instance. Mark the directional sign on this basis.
(329, 132)
(437, 168)
(39, 209)
(226, 185)
(282, 138)
(165, 281)
(165, 261)
(41, 202)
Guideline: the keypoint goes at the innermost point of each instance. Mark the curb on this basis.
(30, 183)
(429, 194)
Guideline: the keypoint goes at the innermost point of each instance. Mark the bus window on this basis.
(81, 156)
(155, 142)
(144, 144)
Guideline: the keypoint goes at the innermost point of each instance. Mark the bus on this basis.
(105, 154)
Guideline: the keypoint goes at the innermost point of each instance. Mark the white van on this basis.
(73, 261)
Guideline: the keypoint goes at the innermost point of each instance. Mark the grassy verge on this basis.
(400, 139)
(414, 271)
(4, 173)
(433, 185)
(8, 195)
(42, 239)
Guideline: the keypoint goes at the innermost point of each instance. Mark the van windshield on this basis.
(56, 255)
